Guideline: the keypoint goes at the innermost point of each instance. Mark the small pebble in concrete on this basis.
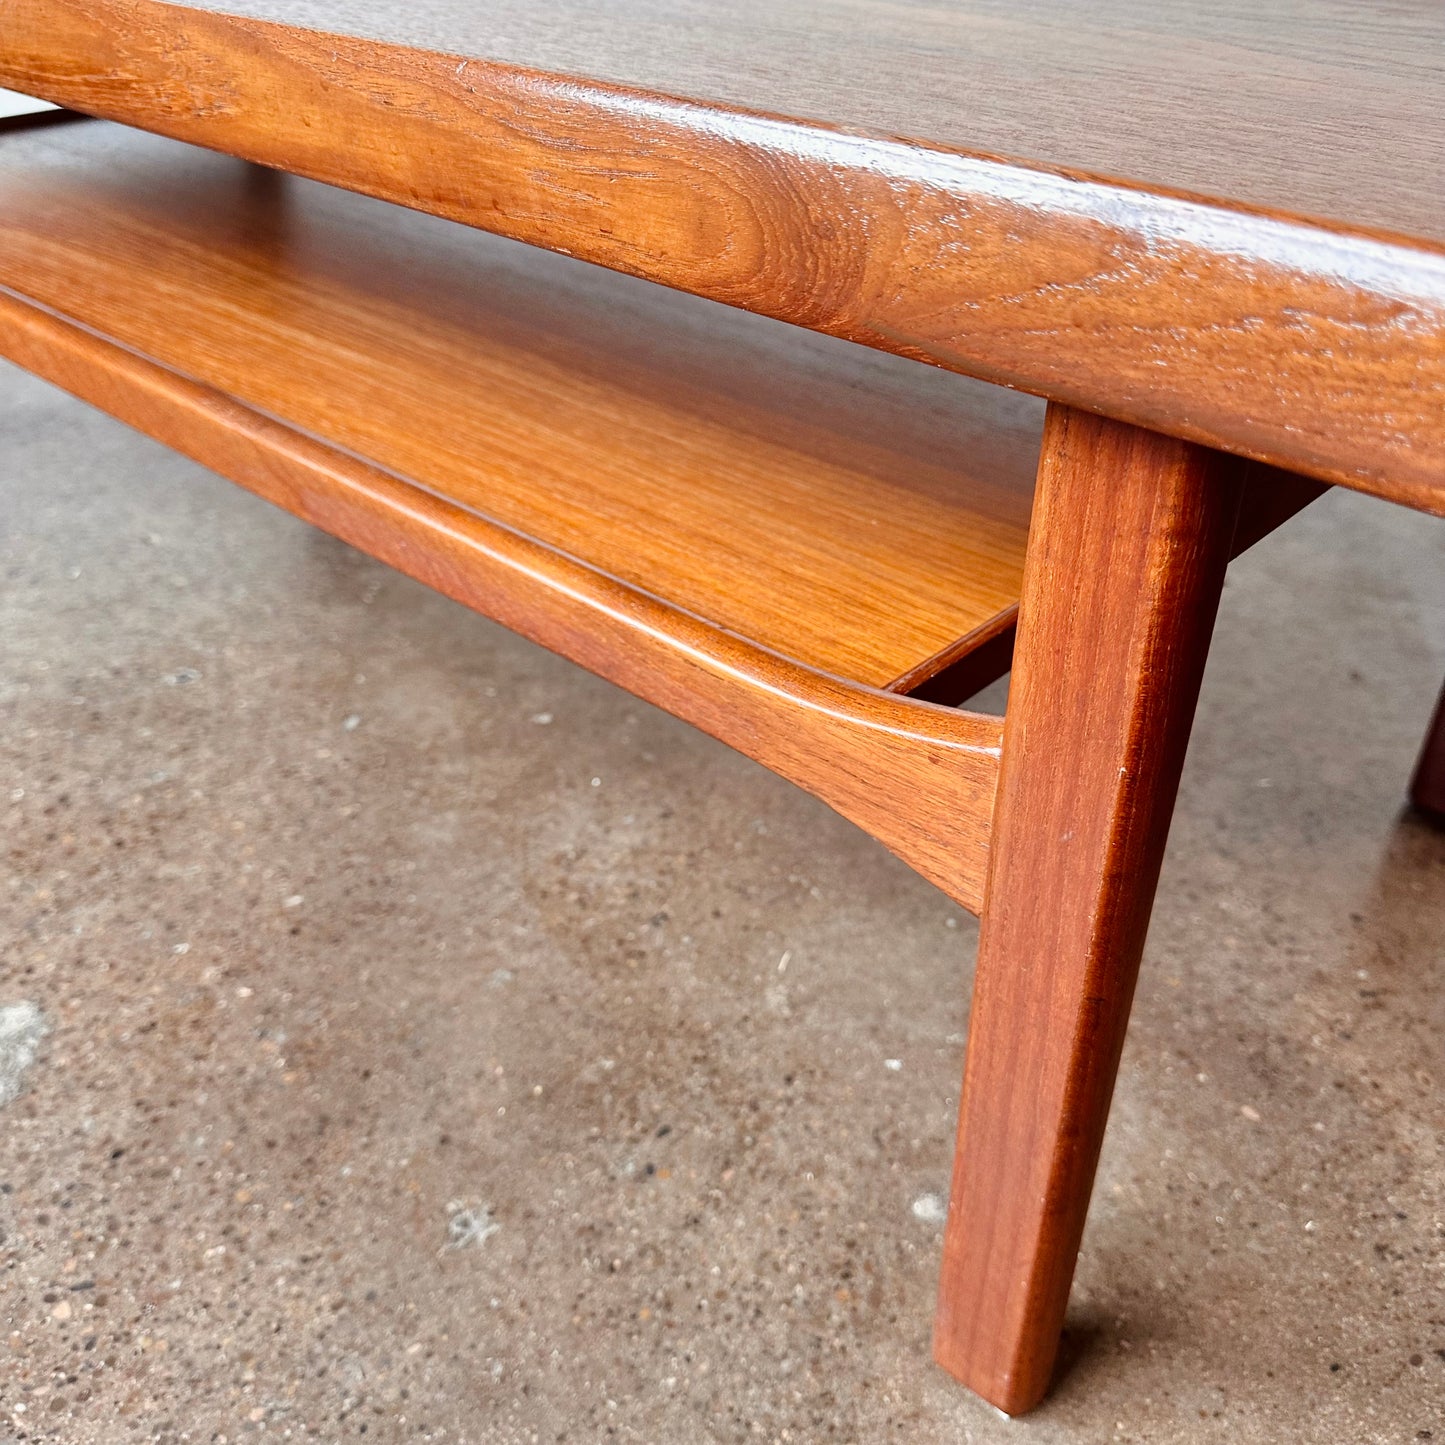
(894, 1065)
(22, 1026)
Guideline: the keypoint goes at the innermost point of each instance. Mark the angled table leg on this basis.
(1427, 787)
(1127, 552)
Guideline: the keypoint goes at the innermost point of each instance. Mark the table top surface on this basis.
(1322, 108)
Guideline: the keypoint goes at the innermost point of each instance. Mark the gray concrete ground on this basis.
(423, 1040)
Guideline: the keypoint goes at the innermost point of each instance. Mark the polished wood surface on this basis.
(920, 778)
(764, 530)
(1131, 536)
(1318, 107)
(851, 511)
(1320, 349)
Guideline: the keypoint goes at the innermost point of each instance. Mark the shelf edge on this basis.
(918, 777)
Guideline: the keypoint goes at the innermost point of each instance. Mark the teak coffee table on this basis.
(809, 549)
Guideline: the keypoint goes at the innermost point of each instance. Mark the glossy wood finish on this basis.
(1319, 349)
(1317, 107)
(920, 778)
(853, 512)
(1427, 786)
(759, 529)
(1131, 536)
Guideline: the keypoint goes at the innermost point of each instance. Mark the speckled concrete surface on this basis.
(422, 1040)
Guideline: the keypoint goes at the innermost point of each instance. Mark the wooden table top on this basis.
(1324, 108)
(1224, 222)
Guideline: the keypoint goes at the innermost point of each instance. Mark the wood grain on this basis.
(1317, 107)
(919, 777)
(1131, 536)
(1317, 349)
(854, 512)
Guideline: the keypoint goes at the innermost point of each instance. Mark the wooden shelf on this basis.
(854, 512)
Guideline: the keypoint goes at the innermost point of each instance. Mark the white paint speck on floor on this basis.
(930, 1208)
(22, 1026)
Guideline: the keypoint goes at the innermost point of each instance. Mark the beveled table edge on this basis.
(1312, 347)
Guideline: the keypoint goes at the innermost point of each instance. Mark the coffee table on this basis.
(1212, 246)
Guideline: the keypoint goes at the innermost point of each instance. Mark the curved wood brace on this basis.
(1314, 348)
(919, 777)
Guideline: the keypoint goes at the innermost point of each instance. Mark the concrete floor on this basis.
(418, 1038)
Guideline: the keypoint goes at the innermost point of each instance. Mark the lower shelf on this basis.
(861, 514)
(919, 777)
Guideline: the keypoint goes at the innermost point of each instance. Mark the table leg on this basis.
(1427, 787)
(1127, 551)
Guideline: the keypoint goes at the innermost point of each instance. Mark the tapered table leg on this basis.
(1427, 787)
(1127, 551)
